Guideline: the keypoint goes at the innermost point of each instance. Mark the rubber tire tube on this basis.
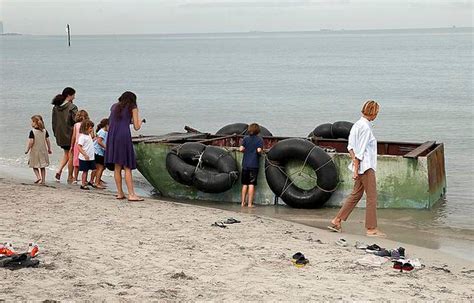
(323, 131)
(341, 129)
(294, 196)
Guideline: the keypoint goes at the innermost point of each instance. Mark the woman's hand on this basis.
(49, 151)
(86, 157)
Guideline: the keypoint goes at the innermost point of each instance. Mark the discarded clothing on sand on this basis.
(18, 261)
(372, 260)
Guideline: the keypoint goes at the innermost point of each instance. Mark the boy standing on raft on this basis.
(252, 148)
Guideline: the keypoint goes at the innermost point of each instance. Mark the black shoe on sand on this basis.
(302, 261)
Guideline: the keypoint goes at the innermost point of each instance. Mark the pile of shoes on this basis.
(12, 260)
(299, 260)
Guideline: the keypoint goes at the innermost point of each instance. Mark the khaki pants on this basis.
(365, 182)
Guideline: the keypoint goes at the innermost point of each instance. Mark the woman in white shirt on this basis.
(362, 148)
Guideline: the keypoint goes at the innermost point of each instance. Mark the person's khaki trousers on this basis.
(365, 182)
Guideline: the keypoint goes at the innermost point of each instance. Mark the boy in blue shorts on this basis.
(252, 148)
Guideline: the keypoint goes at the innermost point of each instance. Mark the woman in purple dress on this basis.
(119, 151)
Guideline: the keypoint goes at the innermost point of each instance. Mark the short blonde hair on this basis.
(370, 108)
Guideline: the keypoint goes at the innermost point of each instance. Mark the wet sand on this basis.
(94, 247)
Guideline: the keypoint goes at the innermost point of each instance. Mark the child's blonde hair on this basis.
(85, 125)
(38, 122)
(370, 108)
(81, 116)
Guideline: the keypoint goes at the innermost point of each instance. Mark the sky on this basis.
(49, 17)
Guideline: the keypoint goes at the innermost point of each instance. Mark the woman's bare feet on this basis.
(135, 198)
(335, 225)
(374, 232)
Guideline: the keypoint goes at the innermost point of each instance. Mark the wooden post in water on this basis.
(68, 35)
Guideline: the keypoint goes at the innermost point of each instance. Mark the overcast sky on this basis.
(197, 16)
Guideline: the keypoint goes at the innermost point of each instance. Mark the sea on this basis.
(289, 82)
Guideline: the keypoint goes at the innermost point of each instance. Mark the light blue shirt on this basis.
(362, 141)
(99, 149)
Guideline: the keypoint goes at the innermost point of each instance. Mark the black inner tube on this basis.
(336, 130)
(241, 129)
(312, 155)
(208, 168)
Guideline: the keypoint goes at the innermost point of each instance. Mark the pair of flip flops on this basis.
(222, 224)
(299, 260)
(18, 261)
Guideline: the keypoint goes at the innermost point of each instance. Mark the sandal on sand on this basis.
(341, 242)
(231, 221)
(297, 256)
(335, 228)
(219, 224)
(37, 181)
(120, 197)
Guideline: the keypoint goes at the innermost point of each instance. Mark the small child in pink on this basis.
(80, 116)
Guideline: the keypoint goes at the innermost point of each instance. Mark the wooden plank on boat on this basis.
(169, 137)
(420, 150)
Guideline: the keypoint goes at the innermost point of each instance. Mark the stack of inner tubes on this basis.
(311, 155)
(210, 169)
(241, 129)
(336, 130)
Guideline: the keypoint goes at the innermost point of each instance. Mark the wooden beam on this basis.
(419, 150)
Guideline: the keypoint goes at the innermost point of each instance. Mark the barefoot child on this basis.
(80, 116)
(39, 147)
(252, 148)
(85, 146)
(99, 147)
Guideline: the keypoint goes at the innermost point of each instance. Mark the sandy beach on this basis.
(94, 247)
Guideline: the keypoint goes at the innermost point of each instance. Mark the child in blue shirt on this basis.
(99, 147)
(252, 146)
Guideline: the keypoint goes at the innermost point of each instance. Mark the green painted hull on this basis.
(401, 182)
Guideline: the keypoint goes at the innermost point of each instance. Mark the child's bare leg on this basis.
(94, 172)
(251, 194)
(244, 193)
(43, 175)
(84, 178)
(98, 176)
(37, 174)
(76, 173)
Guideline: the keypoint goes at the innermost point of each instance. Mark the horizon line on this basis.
(321, 30)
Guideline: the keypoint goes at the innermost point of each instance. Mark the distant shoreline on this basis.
(324, 31)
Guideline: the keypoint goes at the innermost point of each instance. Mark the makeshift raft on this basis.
(409, 175)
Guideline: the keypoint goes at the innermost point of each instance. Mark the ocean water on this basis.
(288, 82)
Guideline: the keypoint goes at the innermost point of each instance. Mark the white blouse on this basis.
(362, 141)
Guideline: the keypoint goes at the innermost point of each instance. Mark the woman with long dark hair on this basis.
(119, 151)
(64, 112)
